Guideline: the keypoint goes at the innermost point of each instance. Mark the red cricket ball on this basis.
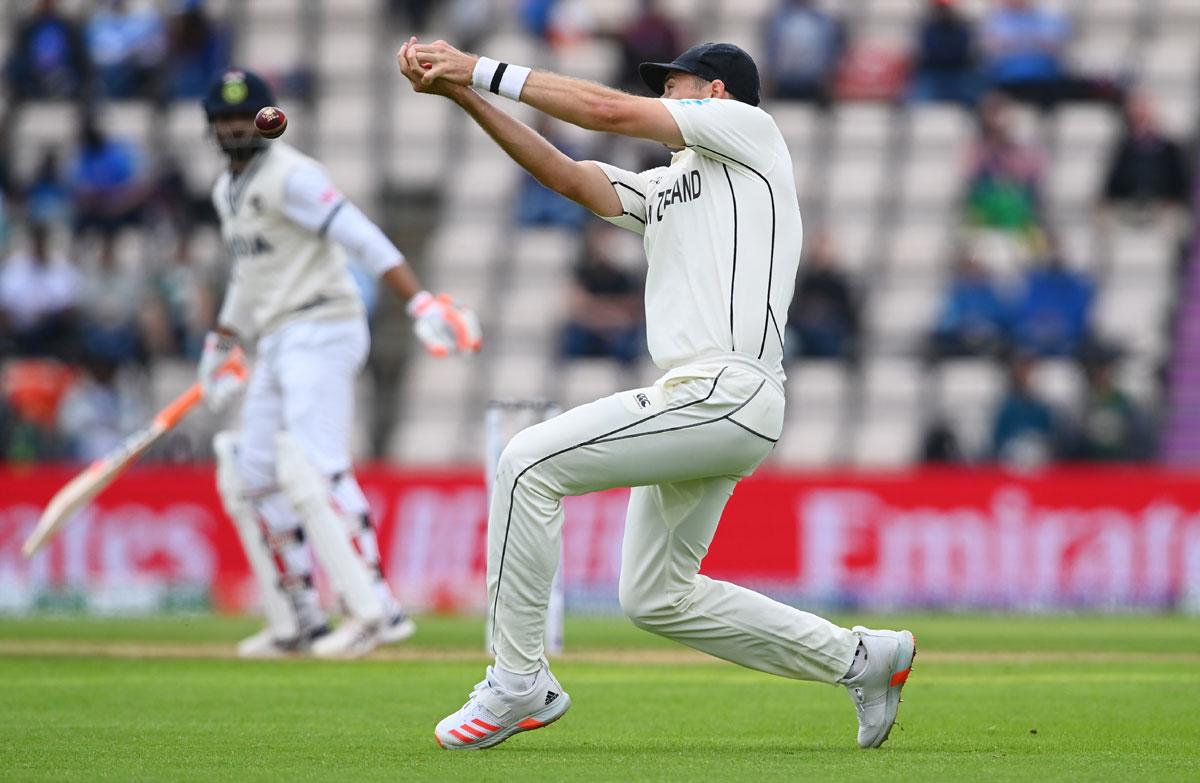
(270, 121)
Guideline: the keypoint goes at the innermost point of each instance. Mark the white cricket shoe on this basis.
(351, 639)
(492, 714)
(399, 628)
(265, 644)
(355, 638)
(876, 690)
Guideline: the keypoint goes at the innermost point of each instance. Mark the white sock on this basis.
(514, 683)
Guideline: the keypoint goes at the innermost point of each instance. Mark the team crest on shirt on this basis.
(248, 246)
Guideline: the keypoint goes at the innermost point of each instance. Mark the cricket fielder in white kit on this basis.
(285, 477)
(722, 234)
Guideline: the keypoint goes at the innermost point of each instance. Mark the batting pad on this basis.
(327, 531)
(278, 609)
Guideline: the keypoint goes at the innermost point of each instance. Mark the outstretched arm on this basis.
(579, 181)
(577, 101)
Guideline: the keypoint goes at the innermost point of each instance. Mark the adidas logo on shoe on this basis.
(551, 696)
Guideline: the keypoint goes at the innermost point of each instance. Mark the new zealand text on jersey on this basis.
(242, 246)
(686, 188)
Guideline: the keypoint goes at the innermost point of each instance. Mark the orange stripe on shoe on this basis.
(460, 736)
(474, 731)
(530, 723)
(485, 725)
(899, 678)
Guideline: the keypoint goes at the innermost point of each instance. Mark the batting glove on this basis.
(220, 384)
(443, 327)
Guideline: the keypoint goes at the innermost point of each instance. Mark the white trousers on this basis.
(303, 382)
(682, 444)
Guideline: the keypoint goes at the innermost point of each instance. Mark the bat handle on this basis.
(169, 416)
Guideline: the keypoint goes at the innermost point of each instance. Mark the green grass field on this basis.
(992, 698)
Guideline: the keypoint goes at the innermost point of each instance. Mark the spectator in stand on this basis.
(650, 37)
(944, 61)
(127, 48)
(974, 316)
(6, 191)
(197, 51)
(1147, 169)
(1004, 174)
(803, 48)
(1052, 313)
(1111, 428)
(940, 445)
(47, 198)
(184, 303)
(537, 205)
(107, 187)
(823, 318)
(31, 391)
(535, 17)
(1024, 46)
(47, 56)
(1025, 430)
(605, 305)
(7, 182)
(172, 206)
(3, 219)
(415, 13)
(96, 413)
(110, 309)
(39, 293)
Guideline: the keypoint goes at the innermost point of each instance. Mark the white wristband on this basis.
(500, 78)
(485, 69)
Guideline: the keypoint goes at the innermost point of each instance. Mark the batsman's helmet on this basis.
(237, 92)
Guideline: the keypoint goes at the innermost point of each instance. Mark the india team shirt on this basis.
(722, 232)
(274, 220)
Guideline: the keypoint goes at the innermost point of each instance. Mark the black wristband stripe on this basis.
(496, 77)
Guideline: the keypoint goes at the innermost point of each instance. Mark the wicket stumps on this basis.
(503, 420)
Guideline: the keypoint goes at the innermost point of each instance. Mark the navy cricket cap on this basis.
(237, 92)
(709, 61)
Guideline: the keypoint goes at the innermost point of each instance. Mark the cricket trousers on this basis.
(682, 445)
(303, 382)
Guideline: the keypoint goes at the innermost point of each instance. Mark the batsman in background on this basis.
(285, 478)
(722, 234)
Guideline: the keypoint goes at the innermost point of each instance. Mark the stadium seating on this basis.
(886, 181)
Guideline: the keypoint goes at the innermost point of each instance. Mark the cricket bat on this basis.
(80, 490)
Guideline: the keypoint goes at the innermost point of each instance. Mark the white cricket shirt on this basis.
(722, 233)
(276, 219)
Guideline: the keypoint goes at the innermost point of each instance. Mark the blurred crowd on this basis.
(82, 313)
(77, 322)
(1037, 306)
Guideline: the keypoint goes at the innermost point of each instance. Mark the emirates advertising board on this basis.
(1108, 539)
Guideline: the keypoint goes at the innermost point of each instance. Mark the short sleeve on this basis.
(310, 198)
(631, 188)
(727, 129)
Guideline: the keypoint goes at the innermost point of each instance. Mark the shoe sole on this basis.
(902, 664)
(538, 720)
